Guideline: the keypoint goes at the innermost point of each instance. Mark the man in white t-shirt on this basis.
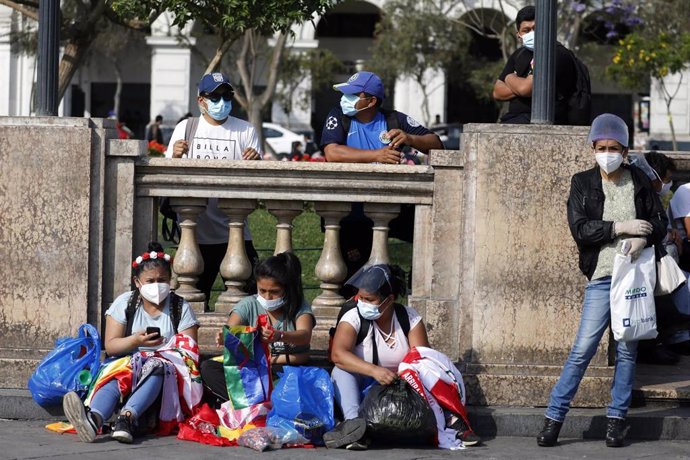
(218, 136)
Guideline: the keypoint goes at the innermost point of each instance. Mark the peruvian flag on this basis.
(435, 377)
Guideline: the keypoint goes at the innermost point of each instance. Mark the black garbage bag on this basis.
(397, 414)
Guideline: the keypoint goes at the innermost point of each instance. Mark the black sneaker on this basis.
(345, 433)
(465, 433)
(80, 417)
(549, 434)
(615, 432)
(123, 428)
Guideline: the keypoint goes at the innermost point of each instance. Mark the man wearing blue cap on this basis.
(609, 203)
(359, 130)
(216, 135)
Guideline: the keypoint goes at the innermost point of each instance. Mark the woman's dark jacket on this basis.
(586, 209)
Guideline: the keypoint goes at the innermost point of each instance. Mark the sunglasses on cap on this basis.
(216, 97)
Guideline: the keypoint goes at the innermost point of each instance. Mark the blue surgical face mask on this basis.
(528, 40)
(270, 305)
(220, 110)
(347, 104)
(369, 311)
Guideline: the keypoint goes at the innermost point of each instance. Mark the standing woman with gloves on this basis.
(609, 203)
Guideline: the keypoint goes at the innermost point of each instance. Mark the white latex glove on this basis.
(635, 227)
(636, 245)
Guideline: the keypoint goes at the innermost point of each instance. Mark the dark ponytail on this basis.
(286, 270)
(397, 286)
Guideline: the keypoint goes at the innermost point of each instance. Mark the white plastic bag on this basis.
(633, 316)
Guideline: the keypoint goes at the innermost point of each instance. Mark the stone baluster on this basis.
(188, 263)
(236, 267)
(381, 214)
(285, 212)
(330, 269)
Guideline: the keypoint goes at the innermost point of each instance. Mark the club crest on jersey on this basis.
(383, 137)
(412, 122)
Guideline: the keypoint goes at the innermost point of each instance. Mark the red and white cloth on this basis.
(435, 377)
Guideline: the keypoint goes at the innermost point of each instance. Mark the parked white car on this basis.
(280, 139)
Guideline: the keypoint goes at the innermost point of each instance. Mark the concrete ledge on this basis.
(652, 423)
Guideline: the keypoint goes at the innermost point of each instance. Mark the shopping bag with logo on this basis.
(247, 365)
(633, 315)
(70, 366)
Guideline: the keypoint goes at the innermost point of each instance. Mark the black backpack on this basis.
(170, 228)
(365, 325)
(175, 311)
(580, 102)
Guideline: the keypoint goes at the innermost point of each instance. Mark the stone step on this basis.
(656, 383)
(654, 422)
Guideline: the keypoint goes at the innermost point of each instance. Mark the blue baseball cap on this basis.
(366, 82)
(211, 81)
(609, 126)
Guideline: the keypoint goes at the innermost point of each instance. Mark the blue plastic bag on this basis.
(71, 366)
(303, 401)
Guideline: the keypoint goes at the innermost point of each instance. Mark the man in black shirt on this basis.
(515, 82)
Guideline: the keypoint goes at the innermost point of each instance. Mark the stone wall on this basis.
(49, 235)
(521, 286)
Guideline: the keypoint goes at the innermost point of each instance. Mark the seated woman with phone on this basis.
(145, 323)
(280, 296)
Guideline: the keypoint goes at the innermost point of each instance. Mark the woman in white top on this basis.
(356, 365)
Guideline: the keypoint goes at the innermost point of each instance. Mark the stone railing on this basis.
(283, 188)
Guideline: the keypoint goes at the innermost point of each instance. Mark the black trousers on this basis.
(213, 255)
(213, 378)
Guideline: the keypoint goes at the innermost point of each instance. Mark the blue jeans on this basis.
(106, 398)
(349, 388)
(593, 324)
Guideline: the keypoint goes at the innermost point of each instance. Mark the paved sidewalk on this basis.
(29, 440)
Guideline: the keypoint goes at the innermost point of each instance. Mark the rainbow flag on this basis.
(247, 365)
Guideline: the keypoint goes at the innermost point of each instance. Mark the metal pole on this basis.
(48, 55)
(544, 89)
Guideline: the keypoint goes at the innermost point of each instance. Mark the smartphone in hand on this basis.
(152, 330)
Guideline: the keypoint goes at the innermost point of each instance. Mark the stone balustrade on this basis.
(283, 188)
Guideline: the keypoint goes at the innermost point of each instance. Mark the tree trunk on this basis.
(75, 50)
(254, 114)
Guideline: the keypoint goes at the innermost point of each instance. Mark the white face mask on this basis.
(270, 305)
(665, 188)
(609, 162)
(369, 311)
(528, 40)
(155, 293)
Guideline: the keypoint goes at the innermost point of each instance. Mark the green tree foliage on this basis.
(412, 40)
(640, 56)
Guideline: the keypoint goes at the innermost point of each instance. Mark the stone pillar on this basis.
(188, 263)
(285, 212)
(331, 271)
(236, 268)
(170, 76)
(521, 289)
(381, 214)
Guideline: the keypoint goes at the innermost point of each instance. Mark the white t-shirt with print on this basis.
(221, 142)
(390, 356)
(679, 207)
(142, 320)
